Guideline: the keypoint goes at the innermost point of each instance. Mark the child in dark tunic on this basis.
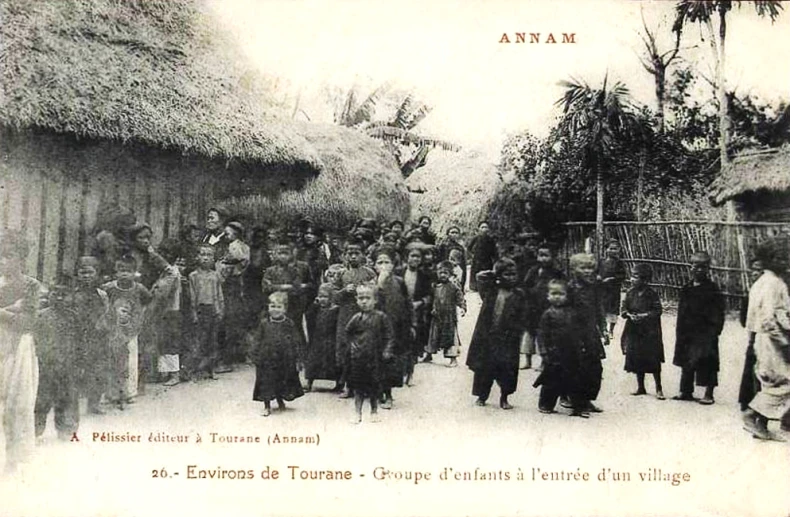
(371, 341)
(494, 350)
(275, 353)
(418, 287)
(447, 296)
(700, 321)
(536, 285)
(561, 352)
(586, 301)
(91, 304)
(393, 300)
(482, 249)
(641, 342)
(613, 274)
(355, 274)
(56, 348)
(321, 319)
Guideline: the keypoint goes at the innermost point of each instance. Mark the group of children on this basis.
(360, 311)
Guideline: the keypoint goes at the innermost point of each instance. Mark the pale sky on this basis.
(449, 53)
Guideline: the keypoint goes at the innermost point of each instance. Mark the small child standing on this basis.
(91, 304)
(277, 343)
(535, 284)
(444, 325)
(56, 348)
(561, 347)
(700, 321)
(371, 342)
(128, 300)
(419, 289)
(208, 306)
(642, 343)
(586, 302)
(501, 324)
(613, 274)
(355, 274)
(321, 319)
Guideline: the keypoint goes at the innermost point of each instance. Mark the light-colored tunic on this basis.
(768, 317)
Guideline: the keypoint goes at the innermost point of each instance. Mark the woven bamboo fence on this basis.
(668, 245)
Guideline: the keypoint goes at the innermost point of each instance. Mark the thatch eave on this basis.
(157, 73)
(764, 171)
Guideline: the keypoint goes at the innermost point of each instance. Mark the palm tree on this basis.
(703, 12)
(595, 119)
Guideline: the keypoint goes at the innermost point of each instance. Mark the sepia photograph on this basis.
(394, 258)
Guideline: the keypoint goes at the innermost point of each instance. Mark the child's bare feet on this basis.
(660, 395)
(357, 419)
(267, 411)
(453, 363)
(639, 392)
(281, 404)
(504, 404)
(375, 418)
(480, 402)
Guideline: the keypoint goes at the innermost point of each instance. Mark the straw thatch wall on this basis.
(360, 179)
(760, 184)
(454, 188)
(155, 72)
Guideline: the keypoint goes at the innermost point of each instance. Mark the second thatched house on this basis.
(145, 107)
(759, 183)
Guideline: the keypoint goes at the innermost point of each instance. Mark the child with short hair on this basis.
(452, 245)
(207, 303)
(494, 350)
(91, 304)
(56, 348)
(612, 272)
(700, 320)
(277, 344)
(447, 296)
(371, 341)
(420, 291)
(641, 342)
(536, 286)
(293, 278)
(356, 273)
(128, 300)
(561, 349)
(321, 319)
(393, 300)
(586, 301)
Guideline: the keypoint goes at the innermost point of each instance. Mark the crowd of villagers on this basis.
(360, 310)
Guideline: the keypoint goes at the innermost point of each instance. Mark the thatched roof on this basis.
(156, 72)
(360, 178)
(761, 171)
(454, 188)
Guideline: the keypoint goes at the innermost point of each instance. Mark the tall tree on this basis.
(657, 62)
(595, 119)
(704, 12)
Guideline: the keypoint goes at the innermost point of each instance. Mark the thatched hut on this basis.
(360, 178)
(759, 183)
(137, 105)
(454, 188)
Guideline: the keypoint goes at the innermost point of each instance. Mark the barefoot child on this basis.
(447, 296)
(699, 323)
(275, 354)
(642, 343)
(501, 324)
(561, 345)
(535, 285)
(586, 302)
(393, 300)
(321, 319)
(355, 274)
(207, 303)
(370, 342)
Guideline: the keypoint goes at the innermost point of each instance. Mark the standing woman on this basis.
(20, 298)
(231, 267)
(768, 316)
(482, 250)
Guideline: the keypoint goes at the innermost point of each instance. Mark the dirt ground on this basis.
(438, 453)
